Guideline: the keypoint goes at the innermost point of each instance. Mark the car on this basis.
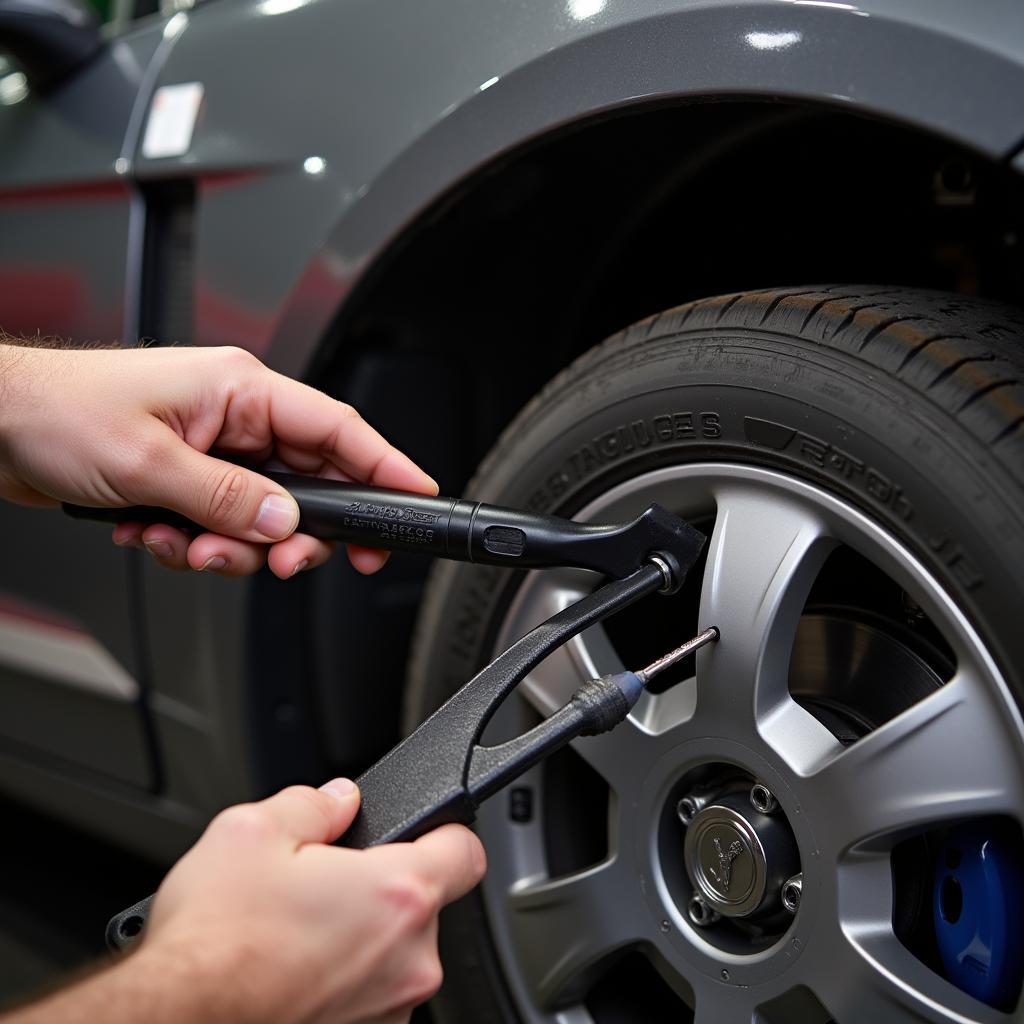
(758, 261)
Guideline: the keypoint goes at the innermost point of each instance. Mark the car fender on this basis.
(329, 126)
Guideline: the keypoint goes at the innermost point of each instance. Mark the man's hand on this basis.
(317, 932)
(261, 923)
(112, 427)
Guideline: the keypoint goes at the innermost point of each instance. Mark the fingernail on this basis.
(277, 517)
(299, 567)
(213, 563)
(159, 548)
(128, 542)
(341, 788)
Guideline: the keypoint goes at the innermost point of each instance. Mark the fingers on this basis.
(252, 519)
(366, 560)
(452, 858)
(310, 815)
(167, 545)
(127, 535)
(225, 556)
(298, 553)
(225, 498)
(306, 420)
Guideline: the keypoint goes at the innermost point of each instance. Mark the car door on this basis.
(72, 707)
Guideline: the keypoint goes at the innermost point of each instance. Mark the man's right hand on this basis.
(290, 929)
(262, 922)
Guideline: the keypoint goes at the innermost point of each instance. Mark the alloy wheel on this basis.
(848, 796)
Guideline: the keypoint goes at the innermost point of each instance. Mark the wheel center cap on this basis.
(726, 861)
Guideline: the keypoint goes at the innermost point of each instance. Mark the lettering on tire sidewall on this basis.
(660, 433)
(676, 428)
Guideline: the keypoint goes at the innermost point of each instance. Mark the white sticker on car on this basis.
(172, 119)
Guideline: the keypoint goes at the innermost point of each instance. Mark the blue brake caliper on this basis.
(978, 909)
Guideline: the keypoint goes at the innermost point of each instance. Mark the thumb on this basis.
(314, 815)
(220, 496)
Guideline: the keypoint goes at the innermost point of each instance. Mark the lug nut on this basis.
(792, 890)
(762, 799)
(700, 913)
(693, 803)
(689, 807)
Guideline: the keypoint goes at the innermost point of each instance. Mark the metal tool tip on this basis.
(709, 635)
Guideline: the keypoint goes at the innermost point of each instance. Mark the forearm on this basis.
(151, 986)
(27, 374)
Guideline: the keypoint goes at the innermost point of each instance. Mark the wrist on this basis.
(210, 978)
(182, 982)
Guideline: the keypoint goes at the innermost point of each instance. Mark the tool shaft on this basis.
(668, 660)
(458, 529)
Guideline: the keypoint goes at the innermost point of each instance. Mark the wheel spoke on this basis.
(882, 980)
(623, 756)
(764, 555)
(616, 755)
(564, 930)
(584, 657)
(716, 1001)
(940, 760)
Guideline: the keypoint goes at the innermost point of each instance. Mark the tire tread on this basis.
(963, 355)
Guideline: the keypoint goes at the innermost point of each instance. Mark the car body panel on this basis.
(68, 221)
(66, 210)
(82, 707)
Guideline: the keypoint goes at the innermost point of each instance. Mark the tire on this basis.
(904, 408)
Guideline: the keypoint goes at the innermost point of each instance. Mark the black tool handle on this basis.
(330, 510)
(454, 528)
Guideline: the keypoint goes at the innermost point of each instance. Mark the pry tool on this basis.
(441, 773)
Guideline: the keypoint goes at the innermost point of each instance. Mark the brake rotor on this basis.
(854, 675)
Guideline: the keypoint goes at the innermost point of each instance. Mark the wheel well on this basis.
(541, 255)
(553, 247)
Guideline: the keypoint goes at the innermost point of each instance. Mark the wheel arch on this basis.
(894, 66)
